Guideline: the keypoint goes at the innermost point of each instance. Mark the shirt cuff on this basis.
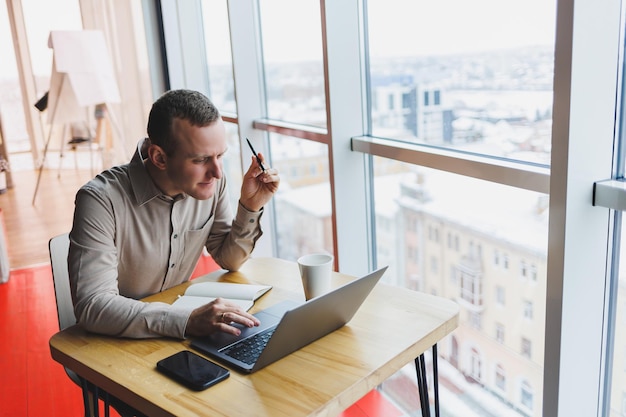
(174, 322)
(247, 218)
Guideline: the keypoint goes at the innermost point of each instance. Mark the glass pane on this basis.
(232, 165)
(40, 18)
(219, 56)
(303, 202)
(477, 79)
(38, 23)
(483, 245)
(11, 108)
(618, 365)
(292, 54)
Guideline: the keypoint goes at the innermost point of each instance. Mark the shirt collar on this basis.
(144, 188)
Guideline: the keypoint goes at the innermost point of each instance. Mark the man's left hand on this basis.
(258, 186)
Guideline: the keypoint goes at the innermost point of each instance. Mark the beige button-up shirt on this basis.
(129, 240)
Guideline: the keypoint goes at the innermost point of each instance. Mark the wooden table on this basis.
(393, 327)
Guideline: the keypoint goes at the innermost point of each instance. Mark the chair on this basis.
(59, 249)
(80, 137)
(83, 138)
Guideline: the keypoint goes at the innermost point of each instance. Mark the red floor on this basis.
(32, 384)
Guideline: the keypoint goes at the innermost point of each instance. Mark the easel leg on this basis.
(61, 152)
(45, 149)
(43, 162)
(113, 121)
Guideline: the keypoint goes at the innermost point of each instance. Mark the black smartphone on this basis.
(192, 370)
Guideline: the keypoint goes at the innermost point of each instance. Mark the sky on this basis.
(291, 29)
(425, 27)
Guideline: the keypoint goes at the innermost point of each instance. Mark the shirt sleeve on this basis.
(92, 263)
(231, 242)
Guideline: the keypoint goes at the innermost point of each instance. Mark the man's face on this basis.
(197, 163)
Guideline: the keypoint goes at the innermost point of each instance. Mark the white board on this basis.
(82, 75)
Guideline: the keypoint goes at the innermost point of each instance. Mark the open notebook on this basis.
(201, 293)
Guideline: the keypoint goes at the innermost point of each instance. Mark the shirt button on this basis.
(172, 265)
(251, 221)
(175, 236)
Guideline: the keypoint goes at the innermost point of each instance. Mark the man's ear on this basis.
(157, 156)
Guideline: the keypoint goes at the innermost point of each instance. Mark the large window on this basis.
(232, 165)
(471, 75)
(617, 351)
(219, 57)
(458, 142)
(513, 225)
(221, 88)
(37, 24)
(293, 81)
(292, 55)
(303, 202)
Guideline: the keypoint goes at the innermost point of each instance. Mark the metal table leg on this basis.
(422, 383)
(91, 396)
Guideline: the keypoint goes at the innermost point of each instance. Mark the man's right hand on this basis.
(218, 316)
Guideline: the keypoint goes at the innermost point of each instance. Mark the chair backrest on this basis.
(59, 248)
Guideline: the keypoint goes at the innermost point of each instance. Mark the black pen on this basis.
(255, 155)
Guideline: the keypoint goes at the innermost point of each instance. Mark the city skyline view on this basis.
(476, 242)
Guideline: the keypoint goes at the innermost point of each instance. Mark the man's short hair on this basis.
(188, 105)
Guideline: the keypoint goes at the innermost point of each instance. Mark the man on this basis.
(140, 228)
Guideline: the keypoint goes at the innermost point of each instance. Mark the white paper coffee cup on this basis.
(315, 271)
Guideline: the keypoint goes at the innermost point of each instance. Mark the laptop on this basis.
(288, 326)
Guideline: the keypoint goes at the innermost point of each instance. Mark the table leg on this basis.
(436, 379)
(90, 398)
(422, 383)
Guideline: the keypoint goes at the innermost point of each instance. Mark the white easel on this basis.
(82, 76)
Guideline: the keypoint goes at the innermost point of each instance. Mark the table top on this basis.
(393, 327)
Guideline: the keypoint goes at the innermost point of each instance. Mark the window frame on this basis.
(579, 233)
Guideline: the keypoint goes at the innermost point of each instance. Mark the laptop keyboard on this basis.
(249, 350)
